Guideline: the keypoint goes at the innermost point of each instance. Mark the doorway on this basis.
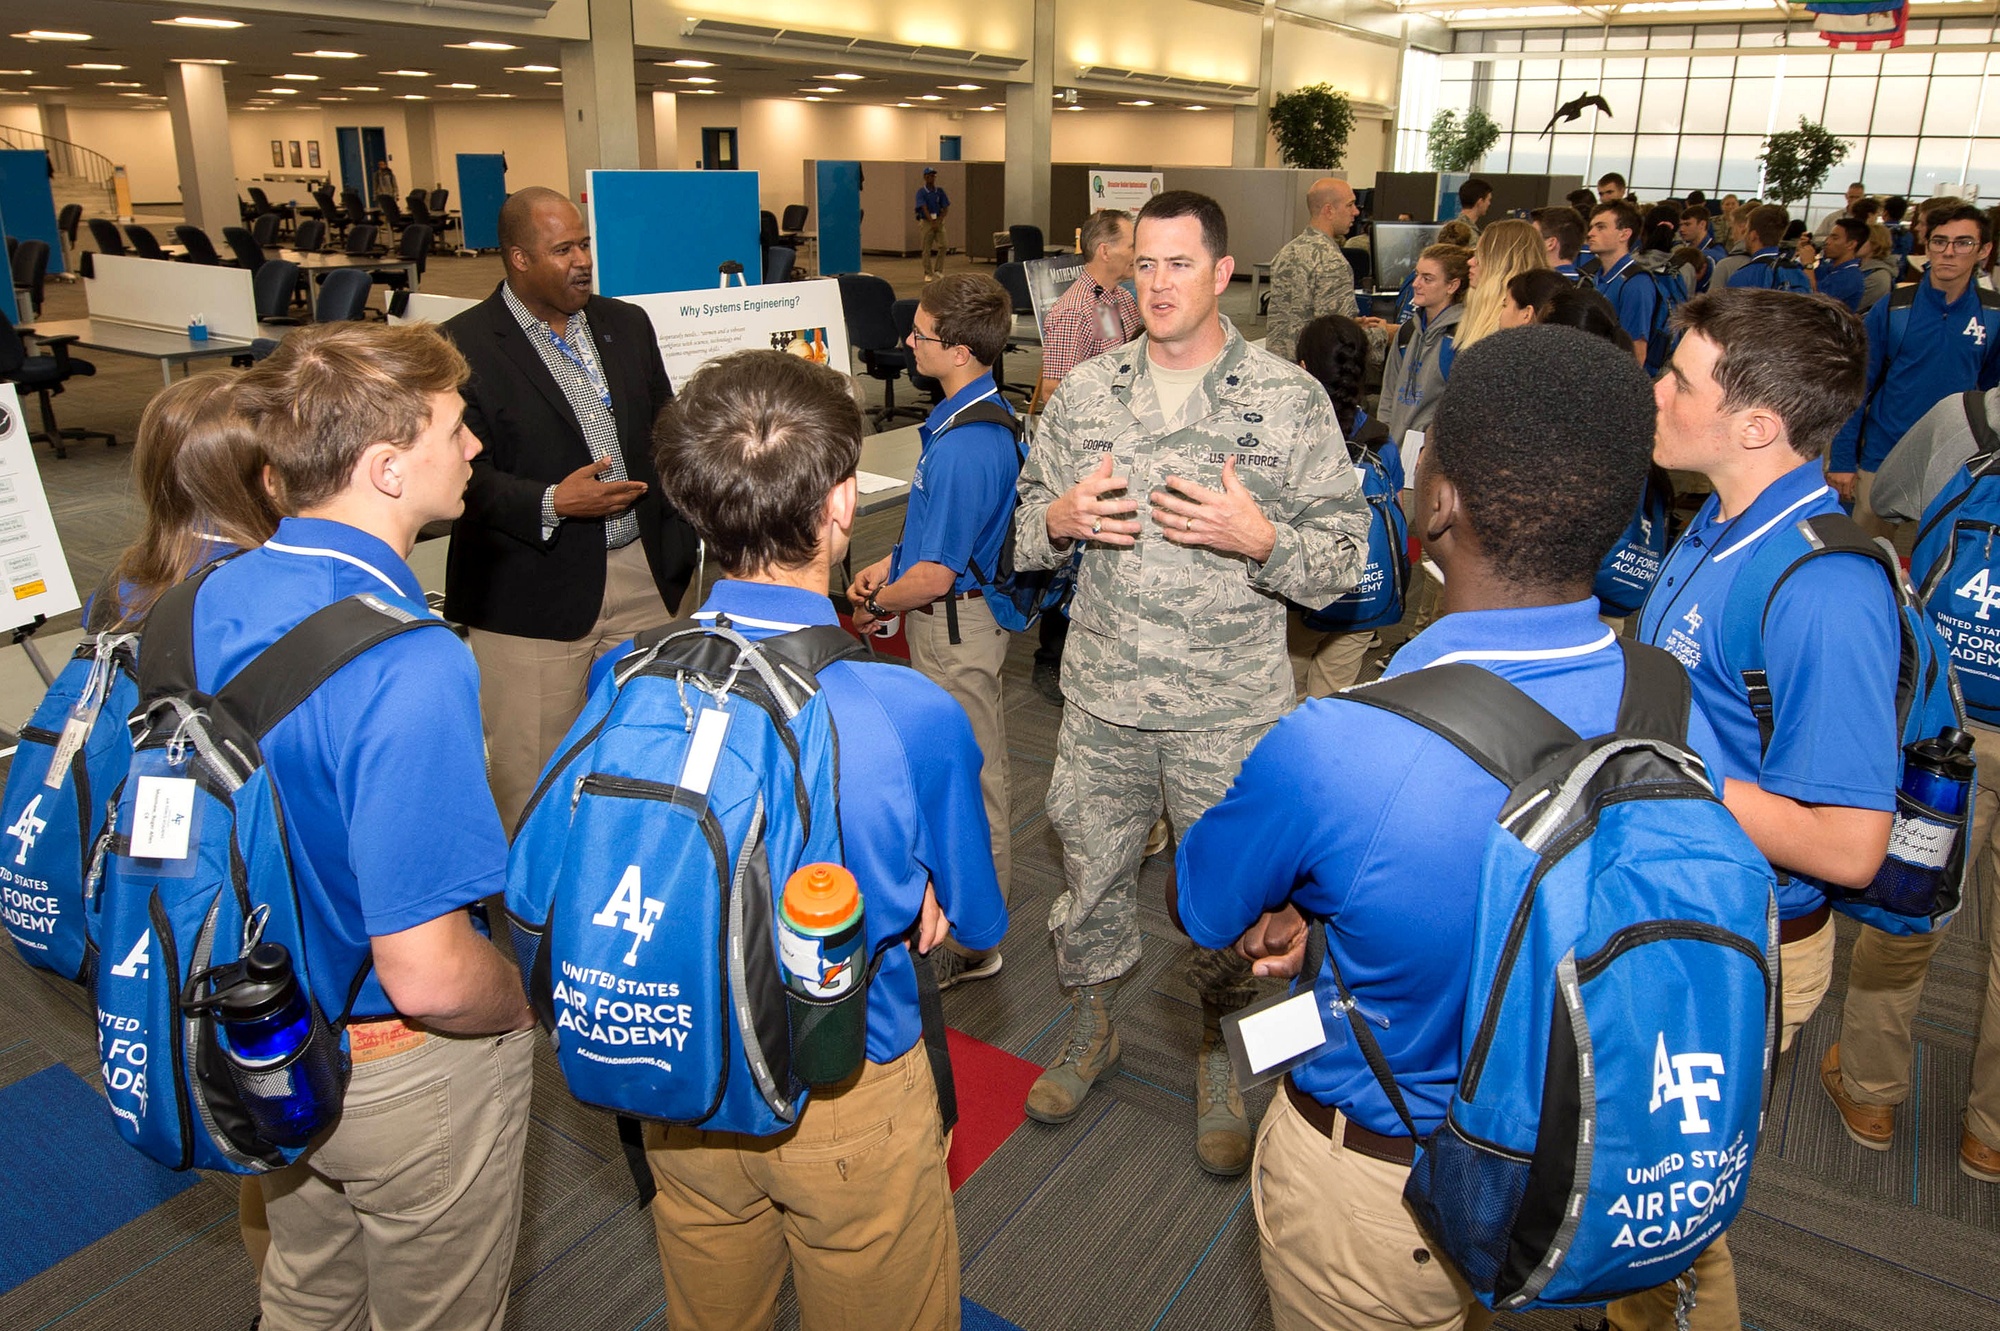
(718, 149)
(360, 149)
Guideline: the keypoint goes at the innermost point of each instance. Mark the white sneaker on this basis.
(953, 968)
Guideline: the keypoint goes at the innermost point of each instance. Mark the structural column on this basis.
(201, 146)
(1249, 136)
(600, 96)
(1029, 114)
(420, 127)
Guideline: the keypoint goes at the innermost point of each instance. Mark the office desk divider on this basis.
(154, 293)
(28, 201)
(672, 230)
(422, 309)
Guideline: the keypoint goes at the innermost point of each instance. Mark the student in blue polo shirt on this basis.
(1627, 286)
(873, 1243)
(1359, 817)
(409, 1208)
(1766, 266)
(961, 509)
(1925, 343)
(1839, 274)
(1561, 228)
(1756, 389)
(1696, 229)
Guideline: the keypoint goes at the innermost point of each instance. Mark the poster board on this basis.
(1048, 279)
(837, 195)
(482, 188)
(696, 326)
(29, 202)
(34, 574)
(1130, 190)
(672, 230)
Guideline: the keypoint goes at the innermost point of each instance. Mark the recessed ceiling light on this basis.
(557, 83)
(496, 94)
(703, 92)
(17, 73)
(300, 78)
(405, 73)
(903, 106)
(184, 21)
(822, 89)
(688, 64)
(336, 99)
(532, 69)
(697, 79)
(95, 64)
(986, 108)
(194, 60)
(963, 87)
(48, 87)
(930, 97)
(362, 87)
(135, 94)
(414, 97)
(844, 78)
(1072, 108)
(110, 83)
(1197, 108)
(481, 46)
(1141, 102)
(815, 99)
(462, 87)
(328, 55)
(44, 35)
(280, 92)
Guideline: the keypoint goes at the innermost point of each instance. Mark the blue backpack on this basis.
(73, 754)
(1377, 599)
(1622, 1016)
(644, 881)
(1017, 597)
(1958, 576)
(217, 880)
(1927, 698)
(1633, 565)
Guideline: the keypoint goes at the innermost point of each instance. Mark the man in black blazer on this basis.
(566, 547)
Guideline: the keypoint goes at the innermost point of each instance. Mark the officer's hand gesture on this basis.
(583, 495)
(1227, 519)
(1091, 510)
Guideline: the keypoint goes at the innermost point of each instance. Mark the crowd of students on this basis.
(1197, 487)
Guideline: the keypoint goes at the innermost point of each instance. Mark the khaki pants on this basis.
(531, 689)
(930, 240)
(1886, 981)
(407, 1212)
(1903, 535)
(1805, 971)
(856, 1196)
(251, 1225)
(970, 672)
(1340, 1248)
(1324, 663)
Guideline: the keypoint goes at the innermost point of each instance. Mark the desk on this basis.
(315, 262)
(169, 349)
(892, 453)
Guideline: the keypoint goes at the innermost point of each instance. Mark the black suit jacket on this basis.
(501, 575)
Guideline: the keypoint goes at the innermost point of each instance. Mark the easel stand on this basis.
(24, 638)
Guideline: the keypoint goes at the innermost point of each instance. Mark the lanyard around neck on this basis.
(589, 368)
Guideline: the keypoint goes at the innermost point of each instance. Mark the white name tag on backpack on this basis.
(710, 729)
(1269, 1039)
(162, 818)
(74, 732)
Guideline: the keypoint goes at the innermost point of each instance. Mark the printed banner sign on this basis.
(34, 576)
(1129, 190)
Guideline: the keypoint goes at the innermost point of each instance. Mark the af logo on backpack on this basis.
(198, 871)
(1377, 598)
(73, 752)
(1633, 565)
(644, 880)
(1955, 566)
(1622, 1015)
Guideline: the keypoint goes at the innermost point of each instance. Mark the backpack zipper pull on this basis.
(1340, 1007)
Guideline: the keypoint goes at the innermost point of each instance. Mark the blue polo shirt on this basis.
(910, 811)
(1918, 355)
(962, 495)
(1631, 292)
(1842, 281)
(1712, 250)
(381, 773)
(1570, 271)
(1768, 269)
(931, 199)
(1378, 826)
(1832, 647)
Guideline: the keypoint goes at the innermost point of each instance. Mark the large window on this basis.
(1690, 106)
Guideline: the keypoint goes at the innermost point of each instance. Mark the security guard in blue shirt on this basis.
(961, 509)
(408, 1209)
(1756, 389)
(1356, 816)
(731, 1211)
(1627, 286)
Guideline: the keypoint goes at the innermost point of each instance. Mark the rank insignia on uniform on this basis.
(1246, 441)
(1253, 417)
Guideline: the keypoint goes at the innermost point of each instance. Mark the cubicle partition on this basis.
(889, 205)
(714, 216)
(27, 201)
(1431, 195)
(152, 293)
(1266, 206)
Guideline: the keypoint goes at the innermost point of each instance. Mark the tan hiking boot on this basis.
(1222, 1137)
(1872, 1126)
(1092, 1051)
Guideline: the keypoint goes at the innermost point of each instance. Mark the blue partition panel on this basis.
(7, 306)
(25, 199)
(672, 230)
(482, 188)
(838, 196)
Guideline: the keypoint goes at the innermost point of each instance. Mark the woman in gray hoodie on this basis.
(1420, 357)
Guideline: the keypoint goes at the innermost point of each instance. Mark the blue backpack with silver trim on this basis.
(1376, 599)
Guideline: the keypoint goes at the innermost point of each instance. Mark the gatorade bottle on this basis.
(824, 953)
(285, 1063)
(1930, 817)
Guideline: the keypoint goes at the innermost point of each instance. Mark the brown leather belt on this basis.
(972, 595)
(1804, 926)
(1394, 1150)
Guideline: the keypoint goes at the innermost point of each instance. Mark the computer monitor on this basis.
(1396, 246)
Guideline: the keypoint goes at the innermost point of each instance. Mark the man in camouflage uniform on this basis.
(1310, 276)
(1176, 662)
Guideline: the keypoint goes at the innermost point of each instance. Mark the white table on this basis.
(121, 339)
(893, 454)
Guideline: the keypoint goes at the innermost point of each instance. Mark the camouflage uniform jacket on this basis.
(1170, 637)
(1310, 277)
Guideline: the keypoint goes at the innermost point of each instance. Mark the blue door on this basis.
(353, 174)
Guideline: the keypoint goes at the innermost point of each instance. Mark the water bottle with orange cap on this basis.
(824, 953)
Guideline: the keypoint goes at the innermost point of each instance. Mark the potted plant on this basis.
(1312, 125)
(1797, 161)
(1457, 145)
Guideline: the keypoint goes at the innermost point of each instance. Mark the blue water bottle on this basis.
(1931, 806)
(284, 1061)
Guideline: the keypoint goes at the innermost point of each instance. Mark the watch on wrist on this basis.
(874, 609)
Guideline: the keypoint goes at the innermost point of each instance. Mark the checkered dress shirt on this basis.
(588, 401)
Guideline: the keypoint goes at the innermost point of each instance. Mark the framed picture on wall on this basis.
(298, 157)
(277, 152)
(312, 153)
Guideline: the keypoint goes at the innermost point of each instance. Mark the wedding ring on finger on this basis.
(1097, 526)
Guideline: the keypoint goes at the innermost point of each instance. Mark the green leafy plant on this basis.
(1457, 145)
(1312, 126)
(1797, 162)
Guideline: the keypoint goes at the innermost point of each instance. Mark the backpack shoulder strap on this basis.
(813, 649)
(1407, 333)
(166, 657)
(291, 669)
(1988, 299)
(1657, 695)
(1985, 440)
(986, 411)
(1478, 713)
(1905, 297)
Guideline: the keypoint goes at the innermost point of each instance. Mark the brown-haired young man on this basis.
(961, 510)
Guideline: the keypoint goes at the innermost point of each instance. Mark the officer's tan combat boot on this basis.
(1222, 1138)
(1092, 1051)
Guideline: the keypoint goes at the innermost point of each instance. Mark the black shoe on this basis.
(1048, 682)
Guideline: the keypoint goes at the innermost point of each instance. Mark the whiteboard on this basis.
(34, 575)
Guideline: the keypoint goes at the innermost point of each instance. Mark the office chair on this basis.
(311, 236)
(343, 296)
(1013, 276)
(361, 240)
(421, 215)
(68, 220)
(144, 243)
(273, 288)
(867, 307)
(1024, 243)
(30, 267)
(778, 262)
(284, 212)
(392, 214)
(793, 224)
(249, 254)
(904, 315)
(440, 200)
(415, 244)
(105, 232)
(44, 376)
(264, 230)
(356, 212)
(1363, 263)
(200, 249)
(330, 211)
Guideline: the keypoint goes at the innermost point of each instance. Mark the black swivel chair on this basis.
(263, 207)
(361, 240)
(392, 214)
(200, 249)
(249, 254)
(109, 239)
(1024, 243)
(68, 221)
(904, 315)
(264, 230)
(440, 220)
(867, 306)
(44, 376)
(273, 288)
(311, 236)
(793, 223)
(144, 243)
(1363, 263)
(440, 200)
(329, 210)
(343, 296)
(767, 230)
(353, 208)
(1014, 277)
(414, 244)
(30, 265)
(778, 263)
